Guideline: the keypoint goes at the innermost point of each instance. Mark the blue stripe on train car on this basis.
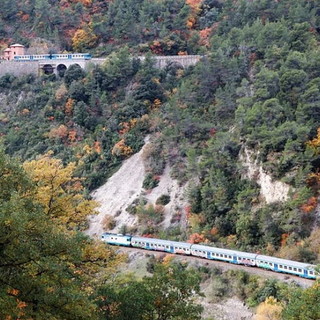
(119, 244)
(305, 273)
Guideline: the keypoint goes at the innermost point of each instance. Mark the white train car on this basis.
(286, 266)
(151, 244)
(227, 255)
(116, 239)
(161, 245)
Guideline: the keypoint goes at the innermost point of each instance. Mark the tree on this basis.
(44, 272)
(167, 295)
(59, 192)
(303, 304)
(73, 73)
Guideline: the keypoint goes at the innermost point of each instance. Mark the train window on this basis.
(270, 263)
(285, 267)
(167, 246)
(290, 268)
(229, 257)
(294, 269)
(311, 272)
(299, 270)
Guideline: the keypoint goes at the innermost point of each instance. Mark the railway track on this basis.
(224, 266)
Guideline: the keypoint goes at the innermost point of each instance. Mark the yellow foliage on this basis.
(315, 143)
(167, 259)
(270, 309)
(83, 39)
(59, 192)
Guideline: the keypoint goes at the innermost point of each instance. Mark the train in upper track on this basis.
(62, 56)
(304, 270)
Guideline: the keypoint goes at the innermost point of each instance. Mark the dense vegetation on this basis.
(256, 90)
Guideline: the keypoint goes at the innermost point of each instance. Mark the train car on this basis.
(116, 239)
(304, 270)
(152, 244)
(233, 256)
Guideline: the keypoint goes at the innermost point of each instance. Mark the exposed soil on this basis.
(125, 186)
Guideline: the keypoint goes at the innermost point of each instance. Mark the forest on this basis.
(255, 91)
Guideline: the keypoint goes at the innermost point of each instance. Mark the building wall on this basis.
(16, 51)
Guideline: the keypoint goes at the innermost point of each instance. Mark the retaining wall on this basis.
(17, 68)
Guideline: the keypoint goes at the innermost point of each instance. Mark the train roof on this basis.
(166, 242)
(153, 240)
(224, 251)
(115, 234)
(285, 262)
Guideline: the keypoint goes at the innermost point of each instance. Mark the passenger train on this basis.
(64, 56)
(304, 270)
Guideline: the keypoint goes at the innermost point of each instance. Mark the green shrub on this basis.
(150, 181)
(163, 199)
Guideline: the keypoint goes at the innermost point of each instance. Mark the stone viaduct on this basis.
(48, 66)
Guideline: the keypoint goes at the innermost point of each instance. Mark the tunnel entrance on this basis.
(47, 69)
(61, 69)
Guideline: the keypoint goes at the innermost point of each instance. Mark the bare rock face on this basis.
(125, 186)
(271, 190)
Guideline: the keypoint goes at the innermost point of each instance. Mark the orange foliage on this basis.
(195, 8)
(196, 238)
(156, 104)
(310, 205)
(21, 304)
(121, 149)
(127, 126)
(97, 147)
(13, 292)
(60, 132)
(72, 135)
(315, 143)
(156, 47)
(214, 231)
(69, 107)
(284, 238)
(204, 36)
(25, 111)
(314, 178)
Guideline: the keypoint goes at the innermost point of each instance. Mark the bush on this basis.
(150, 182)
(108, 222)
(163, 199)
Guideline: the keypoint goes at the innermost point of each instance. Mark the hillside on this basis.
(233, 151)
